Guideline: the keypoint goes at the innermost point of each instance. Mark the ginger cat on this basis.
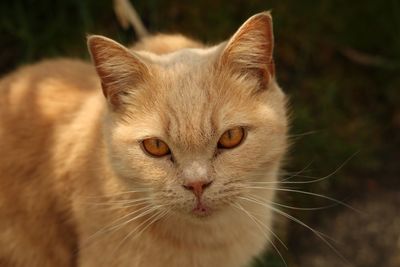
(149, 157)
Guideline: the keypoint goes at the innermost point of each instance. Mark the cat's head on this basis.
(195, 128)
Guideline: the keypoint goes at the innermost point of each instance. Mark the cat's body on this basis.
(69, 158)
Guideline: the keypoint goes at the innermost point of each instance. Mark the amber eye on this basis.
(231, 138)
(155, 147)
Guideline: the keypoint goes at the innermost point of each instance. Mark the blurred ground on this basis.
(338, 60)
(371, 238)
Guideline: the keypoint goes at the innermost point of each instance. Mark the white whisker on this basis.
(155, 215)
(238, 206)
(293, 136)
(282, 213)
(299, 172)
(138, 190)
(119, 202)
(138, 216)
(115, 224)
(306, 193)
(292, 207)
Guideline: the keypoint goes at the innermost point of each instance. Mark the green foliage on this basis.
(270, 260)
(338, 60)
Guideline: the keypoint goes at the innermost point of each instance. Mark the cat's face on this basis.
(203, 119)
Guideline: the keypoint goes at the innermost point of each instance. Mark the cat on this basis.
(150, 156)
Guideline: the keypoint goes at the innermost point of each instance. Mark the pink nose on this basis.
(197, 187)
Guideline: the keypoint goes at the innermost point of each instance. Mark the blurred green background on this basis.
(338, 60)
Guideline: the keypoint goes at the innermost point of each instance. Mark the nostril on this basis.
(207, 184)
(188, 187)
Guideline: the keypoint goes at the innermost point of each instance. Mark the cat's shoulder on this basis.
(74, 72)
(53, 83)
(46, 93)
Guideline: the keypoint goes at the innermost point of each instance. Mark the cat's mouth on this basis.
(204, 206)
(201, 209)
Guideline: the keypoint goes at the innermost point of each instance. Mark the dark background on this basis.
(338, 60)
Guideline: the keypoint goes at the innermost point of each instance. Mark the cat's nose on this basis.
(197, 187)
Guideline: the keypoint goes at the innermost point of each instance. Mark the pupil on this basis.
(230, 134)
(158, 143)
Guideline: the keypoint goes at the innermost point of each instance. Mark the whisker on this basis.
(138, 216)
(240, 207)
(155, 215)
(123, 201)
(114, 223)
(306, 193)
(316, 179)
(162, 215)
(138, 190)
(120, 206)
(292, 136)
(288, 216)
(299, 172)
(294, 208)
(268, 228)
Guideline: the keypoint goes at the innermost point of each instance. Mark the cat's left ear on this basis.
(119, 69)
(250, 50)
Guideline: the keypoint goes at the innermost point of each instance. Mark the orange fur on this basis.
(72, 157)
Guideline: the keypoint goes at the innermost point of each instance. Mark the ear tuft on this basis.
(118, 68)
(250, 50)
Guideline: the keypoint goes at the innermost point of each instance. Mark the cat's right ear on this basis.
(118, 68)
(250, 50)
